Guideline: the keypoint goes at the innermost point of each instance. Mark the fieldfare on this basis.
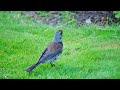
(52, 52)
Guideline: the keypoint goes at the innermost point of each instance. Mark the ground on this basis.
(90, 51)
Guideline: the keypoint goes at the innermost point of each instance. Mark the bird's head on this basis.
(58, 36)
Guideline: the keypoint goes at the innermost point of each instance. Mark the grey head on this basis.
(58, 36)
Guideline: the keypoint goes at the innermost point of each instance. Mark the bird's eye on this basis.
(61, 33)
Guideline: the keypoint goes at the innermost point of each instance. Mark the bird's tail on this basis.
(32, 67)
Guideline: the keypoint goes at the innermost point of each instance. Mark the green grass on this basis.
(90, 51)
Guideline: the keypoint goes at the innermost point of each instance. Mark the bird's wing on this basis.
(55, 47)
(43, 53)
(51, 51)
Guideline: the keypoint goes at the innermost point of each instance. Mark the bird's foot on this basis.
(52, 65)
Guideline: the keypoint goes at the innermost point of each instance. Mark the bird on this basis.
(51, 53)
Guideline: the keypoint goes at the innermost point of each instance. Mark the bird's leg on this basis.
(52, 64)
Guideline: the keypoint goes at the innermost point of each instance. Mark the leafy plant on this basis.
(117, 14)
(68, 19)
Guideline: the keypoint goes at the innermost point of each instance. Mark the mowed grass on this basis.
(90, 52)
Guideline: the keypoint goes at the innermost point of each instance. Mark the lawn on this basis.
(89, 52)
